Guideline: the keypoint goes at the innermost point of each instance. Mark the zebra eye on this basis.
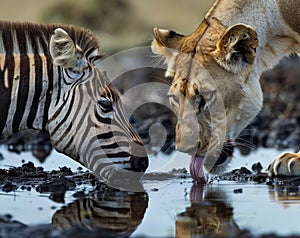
(105, 104)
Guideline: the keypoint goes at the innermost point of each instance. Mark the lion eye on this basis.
(208, 95)
(105, 104)
(202, 103)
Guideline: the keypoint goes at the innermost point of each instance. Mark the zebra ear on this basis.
(65, 52)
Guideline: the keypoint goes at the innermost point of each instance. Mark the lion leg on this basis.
(286, 164)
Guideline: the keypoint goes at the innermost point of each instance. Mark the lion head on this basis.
(213, 92)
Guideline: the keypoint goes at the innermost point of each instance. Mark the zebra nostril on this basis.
(139, 164)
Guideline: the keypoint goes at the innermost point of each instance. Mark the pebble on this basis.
(154, 189)
(237, 191)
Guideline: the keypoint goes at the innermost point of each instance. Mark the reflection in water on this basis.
(208, 215)
(285, 194)
(118, 212)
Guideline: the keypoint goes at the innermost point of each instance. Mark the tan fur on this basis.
(221, 63)
(207, 216)
(287, 164)
(206, 220)
(289, 10)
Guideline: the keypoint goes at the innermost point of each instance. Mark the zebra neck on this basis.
(26, 89)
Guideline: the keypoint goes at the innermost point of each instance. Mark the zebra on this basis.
(49, 82)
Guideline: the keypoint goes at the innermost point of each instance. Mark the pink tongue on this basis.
(196, 169)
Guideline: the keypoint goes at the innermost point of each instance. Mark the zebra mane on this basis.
(24, 38)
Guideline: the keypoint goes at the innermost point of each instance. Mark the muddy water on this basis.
(168, 207)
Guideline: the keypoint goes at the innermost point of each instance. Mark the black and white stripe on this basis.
(36, 92)
(116, 212)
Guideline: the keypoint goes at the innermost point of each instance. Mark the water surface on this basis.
(168, 207)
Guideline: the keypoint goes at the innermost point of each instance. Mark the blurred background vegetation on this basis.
(119, 23)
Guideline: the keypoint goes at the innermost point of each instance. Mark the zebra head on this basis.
(86, 119)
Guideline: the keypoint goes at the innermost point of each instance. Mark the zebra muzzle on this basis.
(139, 158)
(124, 177)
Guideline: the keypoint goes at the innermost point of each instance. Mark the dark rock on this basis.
(66, 171)
(60, 185)
(257, 167)
(30, 166)
(239, 190)
(242, 174)
(260, 177)
(9, 187)
(78, 194)
(3, 172)
(154, 189)
(58, 197)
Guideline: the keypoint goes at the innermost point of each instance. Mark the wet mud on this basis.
(120, 212)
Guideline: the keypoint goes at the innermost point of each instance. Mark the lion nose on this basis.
(187, 141)
(190, 148)
(187, 149)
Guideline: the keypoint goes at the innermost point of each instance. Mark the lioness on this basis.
(215, 90)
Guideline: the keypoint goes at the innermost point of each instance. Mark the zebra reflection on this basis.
(114, 211)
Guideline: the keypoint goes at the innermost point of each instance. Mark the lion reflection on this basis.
(286, 193)
(115, 211)
(209, 214)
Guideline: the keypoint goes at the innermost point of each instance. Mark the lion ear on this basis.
(236, 48)
(168, 38)
(167, 44)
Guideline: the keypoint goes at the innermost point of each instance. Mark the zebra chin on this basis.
(120, 177)
(122, 170)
